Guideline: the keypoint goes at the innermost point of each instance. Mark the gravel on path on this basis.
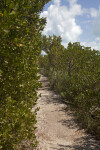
(56, 126)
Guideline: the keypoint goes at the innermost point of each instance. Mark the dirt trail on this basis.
(56, 125)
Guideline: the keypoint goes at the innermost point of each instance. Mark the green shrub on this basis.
(74, 72)
(20, 47)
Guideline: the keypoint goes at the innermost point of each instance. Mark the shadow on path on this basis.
(87, 142)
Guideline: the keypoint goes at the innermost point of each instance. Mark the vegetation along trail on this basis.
(56, 127)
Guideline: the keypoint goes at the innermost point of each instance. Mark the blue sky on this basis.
(74, 21)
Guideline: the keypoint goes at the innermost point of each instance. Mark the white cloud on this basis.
(57, 2)
(72, 1)
(93, 12)
(61, 20)
(96, 26)
(94, 44)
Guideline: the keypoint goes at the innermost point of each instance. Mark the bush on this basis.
(20, 47)
(75, 74)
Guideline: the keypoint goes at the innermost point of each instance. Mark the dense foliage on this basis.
(20, 47)
(74, 72)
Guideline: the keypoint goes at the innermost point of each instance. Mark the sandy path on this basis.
(57, 129)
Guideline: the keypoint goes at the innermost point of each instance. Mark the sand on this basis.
(57, 128)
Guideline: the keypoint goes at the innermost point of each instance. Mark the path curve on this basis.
(56, 127)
